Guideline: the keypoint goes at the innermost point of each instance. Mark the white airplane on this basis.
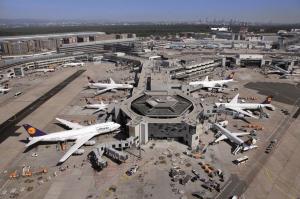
(234, 138)
(99, 107)
(45, 70)
(4, 89)
(81, 135)
(284, 73)
(104, 87)
(213, 84)
(240, 108)
(73, 64)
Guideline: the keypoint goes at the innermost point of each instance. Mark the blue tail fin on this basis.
(32, 131)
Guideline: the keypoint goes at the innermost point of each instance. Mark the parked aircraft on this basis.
(81, 135)
(73, 64)
(45, 70)
(4, 89)
(242, 108)
(234, 138)
(104, 87)
(99, 107)
(213, 84)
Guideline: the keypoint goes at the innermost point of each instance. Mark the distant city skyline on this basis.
(263, 11)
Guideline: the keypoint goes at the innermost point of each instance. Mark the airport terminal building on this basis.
(159, 110)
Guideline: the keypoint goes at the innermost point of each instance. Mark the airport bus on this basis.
(241, 160)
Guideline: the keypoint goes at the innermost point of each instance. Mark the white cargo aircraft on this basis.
(241, 108)
(104, 87)
(81, 135)
(4, 89)
(99, 107)
(234, 138)
(45, 70)
(73, 64)
(213, 84)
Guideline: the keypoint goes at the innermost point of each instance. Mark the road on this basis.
(238, 185)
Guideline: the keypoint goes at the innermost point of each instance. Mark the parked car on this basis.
(132, 170)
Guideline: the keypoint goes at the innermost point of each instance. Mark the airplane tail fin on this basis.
(206, 79)
(230, 76)
(111, 81)
(32, 131)
(90, 79)
(268, 100)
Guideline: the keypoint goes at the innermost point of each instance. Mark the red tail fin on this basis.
(268, 100)
(90, 79)
(230, 76)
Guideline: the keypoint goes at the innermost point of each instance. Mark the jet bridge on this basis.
(109, 149)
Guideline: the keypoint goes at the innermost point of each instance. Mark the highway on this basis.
(9, 127)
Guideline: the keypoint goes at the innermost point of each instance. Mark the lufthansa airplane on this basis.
(80, 134)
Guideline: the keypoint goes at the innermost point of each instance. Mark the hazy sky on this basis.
(286, 11)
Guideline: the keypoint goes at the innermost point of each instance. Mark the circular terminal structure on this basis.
(161, 106)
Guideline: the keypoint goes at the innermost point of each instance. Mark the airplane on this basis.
(4, 89)
(104, 87)
(234, 138)
(284, 73)
(99, 107)
(240, 108)
(213, 84)
(81, 135)
(45, 70)
(73, 64)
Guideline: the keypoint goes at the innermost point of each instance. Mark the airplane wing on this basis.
(98, 92)
(241, 134)
(243, 112)
(222, 137)
(99, 109)
(78, 143)
(71, 125)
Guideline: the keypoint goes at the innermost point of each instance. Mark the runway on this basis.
(9, 127)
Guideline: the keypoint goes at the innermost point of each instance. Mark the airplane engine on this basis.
(90, 143)
(238, 115)
(78, 152)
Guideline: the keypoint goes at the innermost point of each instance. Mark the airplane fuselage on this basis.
(233, 138)
(209, 84)
(247, 106)
(94, 130)
(112, 86)
(4, 90)
(95, 106)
